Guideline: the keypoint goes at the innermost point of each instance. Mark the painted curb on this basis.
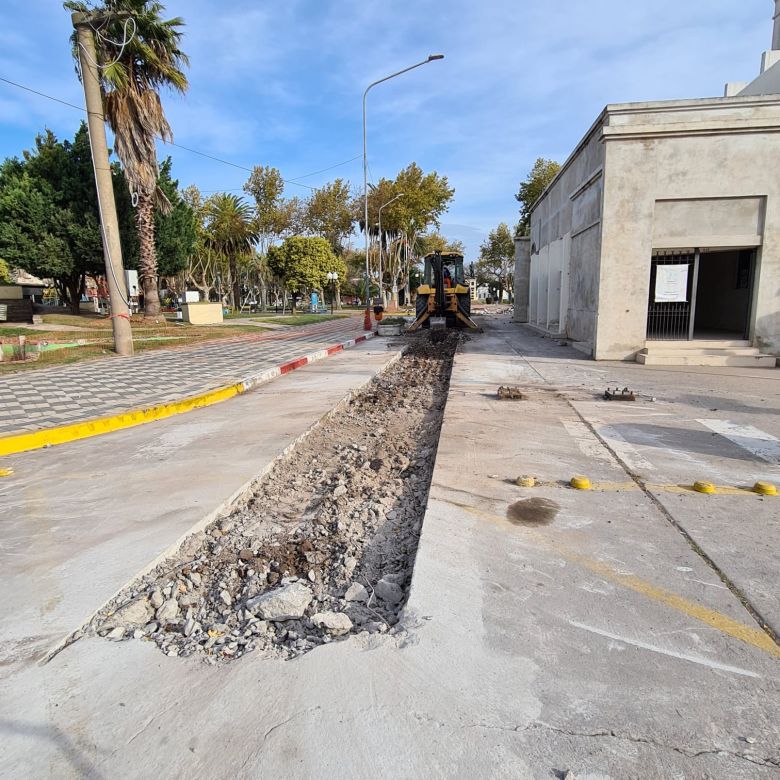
(62, 434)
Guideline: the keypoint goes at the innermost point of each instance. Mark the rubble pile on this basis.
(322, 546)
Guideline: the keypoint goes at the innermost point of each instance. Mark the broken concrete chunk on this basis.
(335, 623)
(116, 634)
(286, 603)
(136, 613)
(388, 591)
(156, 598)
(341, 490)
(356, 592)
(168, 612)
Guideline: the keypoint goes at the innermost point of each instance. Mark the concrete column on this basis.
(522, 277)
(776, 31)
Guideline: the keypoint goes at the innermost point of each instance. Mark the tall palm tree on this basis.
(132, 72)
(231, 232)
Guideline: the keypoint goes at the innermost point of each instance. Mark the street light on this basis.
(431, 58)
(332, 276)
(392, 200)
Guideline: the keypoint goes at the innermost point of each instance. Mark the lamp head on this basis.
(432, 57)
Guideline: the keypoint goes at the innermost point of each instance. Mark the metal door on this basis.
(672, 321)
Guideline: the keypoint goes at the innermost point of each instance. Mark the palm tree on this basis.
(132, 72)
(230, 232)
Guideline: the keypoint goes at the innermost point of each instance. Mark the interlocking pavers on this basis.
(31, 400)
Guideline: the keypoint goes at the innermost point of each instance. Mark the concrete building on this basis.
(659, 239)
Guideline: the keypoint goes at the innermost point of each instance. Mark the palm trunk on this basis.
(147, 263)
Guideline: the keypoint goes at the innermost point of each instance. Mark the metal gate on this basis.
(672, 320)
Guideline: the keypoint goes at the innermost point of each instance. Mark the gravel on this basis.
(322, 546)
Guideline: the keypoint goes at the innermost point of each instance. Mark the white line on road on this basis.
(589, 444)
(696, 659)
(625, 451)
(759, 443)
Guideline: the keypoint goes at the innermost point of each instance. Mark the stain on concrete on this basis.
(533, 511)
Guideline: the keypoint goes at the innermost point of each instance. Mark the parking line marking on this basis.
(726, 625)
(757, 442)
(696, 659)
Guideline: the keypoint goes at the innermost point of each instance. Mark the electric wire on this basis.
(186, 148)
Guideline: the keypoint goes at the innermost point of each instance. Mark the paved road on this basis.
(582, 631)
(32, 400)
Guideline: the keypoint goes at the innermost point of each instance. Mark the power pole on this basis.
(112, 249)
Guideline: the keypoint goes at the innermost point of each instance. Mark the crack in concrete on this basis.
(769, 761)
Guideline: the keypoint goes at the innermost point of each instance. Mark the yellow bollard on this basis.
(525, 481)
(765, 489)
(704, 487)
(580, 482)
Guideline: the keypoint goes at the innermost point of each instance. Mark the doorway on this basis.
(701, 295)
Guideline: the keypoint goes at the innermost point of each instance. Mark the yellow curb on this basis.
(765, 489)
(525, 481)
(24, 442)
(579, 482)
(6, 472)
(704, 487)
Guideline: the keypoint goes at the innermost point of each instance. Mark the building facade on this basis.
(663, 225)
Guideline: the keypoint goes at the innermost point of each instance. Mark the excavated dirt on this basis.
(322, 546)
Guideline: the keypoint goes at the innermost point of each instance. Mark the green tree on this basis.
(5, 272)
(49, 223)
(274, 215)
(175, 232)
(436, 242)
(303, 262)
(327, 213)
(137, 60)
(495, 267)
(543, 172)
(230, 234)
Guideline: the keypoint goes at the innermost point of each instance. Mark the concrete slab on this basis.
(78, 521)
(585, 634)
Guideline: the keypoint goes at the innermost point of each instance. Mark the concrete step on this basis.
(737, 351)
(744, 361)
(698, 344)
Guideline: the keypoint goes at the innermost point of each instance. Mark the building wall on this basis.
(565, 245)
(687, 174)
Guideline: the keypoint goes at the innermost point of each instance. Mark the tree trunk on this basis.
(147, 261)
(338, 297)
(235, 285)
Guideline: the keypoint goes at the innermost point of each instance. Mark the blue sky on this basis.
(281, 83)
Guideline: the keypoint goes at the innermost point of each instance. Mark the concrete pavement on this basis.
(35, 400)
(546, 630)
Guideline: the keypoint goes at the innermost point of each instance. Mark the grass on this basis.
(299, 319)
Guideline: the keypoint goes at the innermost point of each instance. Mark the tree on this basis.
(49, 223)
(496, 263)
(327, 213)
(135, 61)
(543, 172)
(5, 273)
(303, 262)
(436, 242)
(230, 233)
(174, 231)
(274, 216)
(424, 198)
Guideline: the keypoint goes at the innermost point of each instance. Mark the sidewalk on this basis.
(60, 395)
(547, 629)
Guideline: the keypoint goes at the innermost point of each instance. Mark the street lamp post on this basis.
(392, 200)
(332, 276)
(431, 58)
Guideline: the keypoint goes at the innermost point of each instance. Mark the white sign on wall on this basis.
(671, 283)
(191, 296)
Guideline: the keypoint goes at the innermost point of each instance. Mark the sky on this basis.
(281, 84)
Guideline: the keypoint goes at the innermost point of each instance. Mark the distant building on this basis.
(664, 226)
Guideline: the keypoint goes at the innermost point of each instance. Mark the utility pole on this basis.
(112, 249)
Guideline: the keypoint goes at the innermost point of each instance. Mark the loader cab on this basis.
(452, 262)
